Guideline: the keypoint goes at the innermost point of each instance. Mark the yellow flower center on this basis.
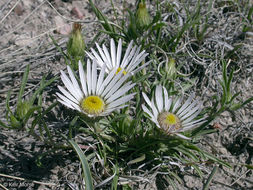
(119, 69)
(93, 105)
(169, 122)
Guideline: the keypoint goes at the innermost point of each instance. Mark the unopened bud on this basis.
(143, 18)
(76, 46)
(171, 69)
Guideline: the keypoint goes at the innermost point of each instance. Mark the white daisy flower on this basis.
(98, 95)
(130, 62)
(171, 116)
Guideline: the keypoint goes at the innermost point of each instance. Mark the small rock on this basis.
(19, 10)
(22, 40)
(77, 13)
(62, 27)
(192, 182)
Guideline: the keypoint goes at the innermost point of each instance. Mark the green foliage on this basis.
(85, 166)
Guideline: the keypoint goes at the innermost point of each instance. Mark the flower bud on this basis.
(143, 18)
(22, 109)
(171, 69)
(76, 46)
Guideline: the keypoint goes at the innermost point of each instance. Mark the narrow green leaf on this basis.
(23, 83)
(197, 170)
(85, 165)
(30, 112)
(209, 179)
(247, 101)
(172, 183)
(139, 159)
(229, 80)
(8, 110)
(248, 166)
(114, 185)
(211, 157)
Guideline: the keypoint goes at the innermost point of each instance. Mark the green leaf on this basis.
(85, 165)
(211, 157)
(8, 110)
(248, 166)
(23, 83)
(29, 114)
(247, 101)
(139, 159)
(102, 18)
(208, 181)
(172, 183)
(114, 185)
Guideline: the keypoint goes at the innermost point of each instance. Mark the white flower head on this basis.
(130, 63)
(173, 117)
(98, 95)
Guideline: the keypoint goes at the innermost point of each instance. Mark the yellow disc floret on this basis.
(119, 69)
(93, 105)
(169, 122)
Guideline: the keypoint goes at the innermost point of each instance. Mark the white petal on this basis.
(140, 67)
(120, 101)
(106, 52)
(115, 86)
(113, 53)
(191, 116)
(127, 53)
(167, 101)
(68, 95)
(82, 78)
(195, 122)
(177, 104)
(105, 60)
(190, 112)
(74, 82)
(89, 77)
(147, 99)
(145, 109)
(135, 57)
(94, 77)
(69, 85)
(192, 126)
(100, 78)
(155, 111)
(111, 84)
(106, 81)
(68, 102)
(188, 108)
(101, 61)
(120, 92)
(129, 57)
(186, 104)
(159, 98)
(108, 111)
(119, 50)
(131, 68)
(182, 136)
